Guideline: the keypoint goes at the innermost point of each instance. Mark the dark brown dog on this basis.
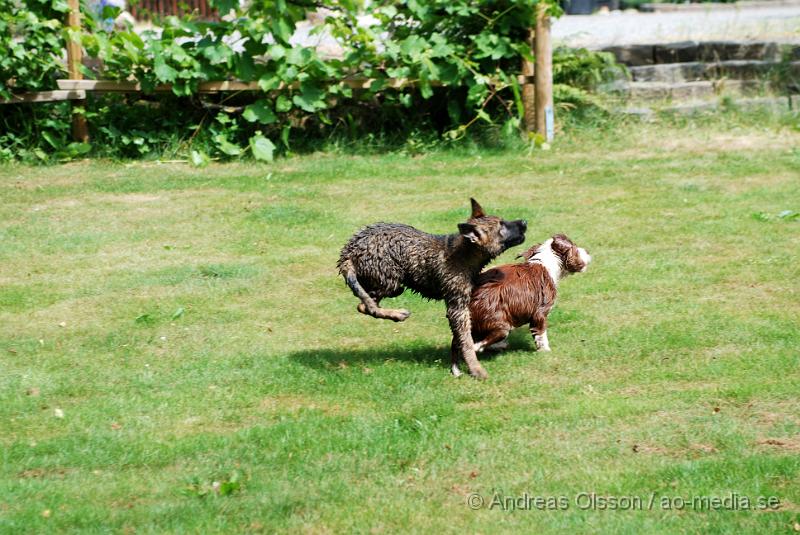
(510, 296)
(384, 259)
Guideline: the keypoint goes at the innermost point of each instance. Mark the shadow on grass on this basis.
(428, 354)
(322, 358)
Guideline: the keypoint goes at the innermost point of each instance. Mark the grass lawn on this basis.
(178, 353)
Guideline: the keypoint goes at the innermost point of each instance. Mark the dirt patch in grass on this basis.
(45, 473)
(791, 444)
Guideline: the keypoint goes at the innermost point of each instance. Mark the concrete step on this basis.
(695, 70)
(703, 89)
(669, 91)
(706, 51)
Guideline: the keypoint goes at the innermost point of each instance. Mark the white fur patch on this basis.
(549, 259)
(585, 257)
(455, 371)
(542, 344)
(479, 346)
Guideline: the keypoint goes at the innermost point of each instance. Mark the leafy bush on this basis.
(31, 44)
(460, 59)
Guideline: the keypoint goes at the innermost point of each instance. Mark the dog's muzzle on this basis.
(516, 232)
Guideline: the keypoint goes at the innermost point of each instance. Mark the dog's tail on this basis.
(348, 271)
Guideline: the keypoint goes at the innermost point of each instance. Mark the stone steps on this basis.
(670, 91)
(706, 51)
(693, 71)
(697, 71)
(703, 89)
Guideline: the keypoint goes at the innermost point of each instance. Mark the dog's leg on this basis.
(383, 313)
(368, 305)
(539, 333)
(502, 345)
(491, 339)
(454, 359)
(458, 316)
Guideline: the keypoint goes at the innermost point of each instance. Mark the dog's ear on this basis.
(477, 211)
(527, 254)
(469, 231)
(561, 243)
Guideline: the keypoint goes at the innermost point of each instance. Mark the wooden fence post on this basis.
(528, 91)
(543, 73)
(80, 129)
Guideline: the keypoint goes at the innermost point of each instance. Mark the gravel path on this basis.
(616, 28)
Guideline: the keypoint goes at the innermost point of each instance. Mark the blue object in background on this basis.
(108, 23)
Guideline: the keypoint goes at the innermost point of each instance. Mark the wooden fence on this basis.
(147, 9)
(536, 79)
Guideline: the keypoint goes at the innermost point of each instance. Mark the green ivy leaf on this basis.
(75, 149)
(281, 30)
(164, 72)
(217, 53)
(299, 56)
(224, 6)
(259, 112)
(283, 104)
(268, 82)
(51, 139)
(263, 149)
(199, 158)
(285, 131)
(245, 67)
(277, 52)
(226, 146)
(425, 88)
(311, 98)
(413, 46)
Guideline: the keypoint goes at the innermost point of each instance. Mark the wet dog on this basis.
(384, 259)
(512, 295)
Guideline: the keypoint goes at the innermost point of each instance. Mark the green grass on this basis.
(191, 327)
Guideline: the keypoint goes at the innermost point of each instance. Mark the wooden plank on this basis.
(98, 85)
(129, 86)
(74, 50)
(208, 87)
(543, 73)
(528, 92)
(126, 86)
(108, 86)
(45, 96)
(80, 128)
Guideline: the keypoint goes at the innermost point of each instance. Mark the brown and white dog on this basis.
(512, 295)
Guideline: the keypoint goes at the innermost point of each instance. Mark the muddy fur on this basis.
(384, 259)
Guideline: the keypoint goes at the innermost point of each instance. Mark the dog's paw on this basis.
(479, 373)
(400, 315)
(455, 370)
(542, 347)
